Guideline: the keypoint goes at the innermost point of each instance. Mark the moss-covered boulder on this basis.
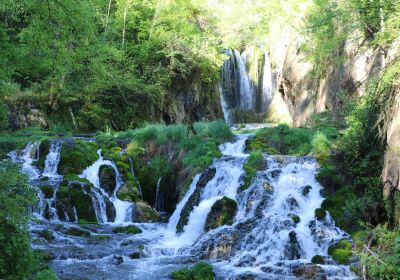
(341, 251)
(194, 199)
(76, 155)
(46, 234)
(296, 219)
(72, 195)
(47, 191)
(255, 162)
(44, 148)
(107, 178)
(318, 259)
(76, 231)
(222, 213)
(320, 213)
(144, 213)
(131, 229)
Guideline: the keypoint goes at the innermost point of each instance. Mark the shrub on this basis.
(321, 146)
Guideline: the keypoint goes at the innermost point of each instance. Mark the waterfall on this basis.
(159, 205)
(52, 159)
(122, 208)
(246, 82)
(27, 156)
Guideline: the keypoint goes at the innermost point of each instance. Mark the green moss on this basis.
(46, 234)
(131, 229)
(320, 213)
(222, 213)
(82, 203)
(255, 162)
(317, 259)
(48, 191)
(200, 271)
(101, 237)
(296, 219)
(141, 247)
(43, 151)
(86, 222)
(76, 155)
(75, 231)
(75, 177)
(341, 251)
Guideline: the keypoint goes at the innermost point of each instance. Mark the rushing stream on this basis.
(262, 243)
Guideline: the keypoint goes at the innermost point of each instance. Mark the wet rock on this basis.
(318, 259)
(107, 179)
(143, 213)
(275, 173)
(126, 243)
(306, 190)
(292, 202)
(308, 271)
(110, 210)
(131, 229)
(75, 231)
(72, 195)
(117, 260)
(222, 213)
(293, 249)
(135, 255)
(267, 186)
(296, 219)
(194, 199)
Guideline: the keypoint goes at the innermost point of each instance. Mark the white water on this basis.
(122, 208)
(159, 202)
(267, 93)
(52, 159)
(247, 97)
(27, 156)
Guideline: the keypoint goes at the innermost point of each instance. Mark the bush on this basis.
(321, 146)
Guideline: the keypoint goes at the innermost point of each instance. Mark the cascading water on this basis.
(27, 157)
(122, 208)
(159, 205)
(243, 89)
(52, 159)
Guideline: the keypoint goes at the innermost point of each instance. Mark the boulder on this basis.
(222, 213)
(142, 212)
(107, 178)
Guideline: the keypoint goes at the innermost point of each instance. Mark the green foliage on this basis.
(47, 274)
(17, 260)
(320, 213)
(200, 271)
(321, 146)
(341, 251)
(76, 156)
(254, 163)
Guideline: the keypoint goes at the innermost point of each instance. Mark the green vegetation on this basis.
(17, 259)
(255, 162)
(317, 259)
(341, 251)
(200, 271)
(320, 213)
(296, 219)
(76, 231)
(222, 213)
(77, 155)
(131, 229)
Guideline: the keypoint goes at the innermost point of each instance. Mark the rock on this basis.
(126, 243)
(296, 219)
(194, 199)
(267, 186)
(306, 190)
(275, 173)
(318, 259)
(292, 202)
(143, 213)
(131, 229)
(135, 255)
(47, 190)
(341, 251)
(320, 213)
(117, 260)
(72, 195)
(46, 234)
(293, 249)
(75, 231)
(107, 179)
(110, 210)
(222, 213)
(306, 271)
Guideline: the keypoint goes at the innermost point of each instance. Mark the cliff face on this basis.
(305, 94)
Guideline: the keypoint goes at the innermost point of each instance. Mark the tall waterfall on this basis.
(246, 82)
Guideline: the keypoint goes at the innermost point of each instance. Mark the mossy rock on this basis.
(75, 231)
(107, 179)
(75, 194)
(47, 190)
(320, 213)
(318, 259)
(86, 222)
(296, 219)
(101, 237)
(341, 251)
(201, 270)
(131, 229)
(145, 213)
(259, 144)
(222, 213)
(44, 149)
(46, 234)
(75, 177)
(255, 162)
(76, 155)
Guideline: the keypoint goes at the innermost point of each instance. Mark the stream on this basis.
(263, 241)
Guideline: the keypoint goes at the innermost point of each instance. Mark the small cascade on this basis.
(27, 157)
(52, 159)
(225, 183)
(159, 205)
(100, 196)
(134, 176)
